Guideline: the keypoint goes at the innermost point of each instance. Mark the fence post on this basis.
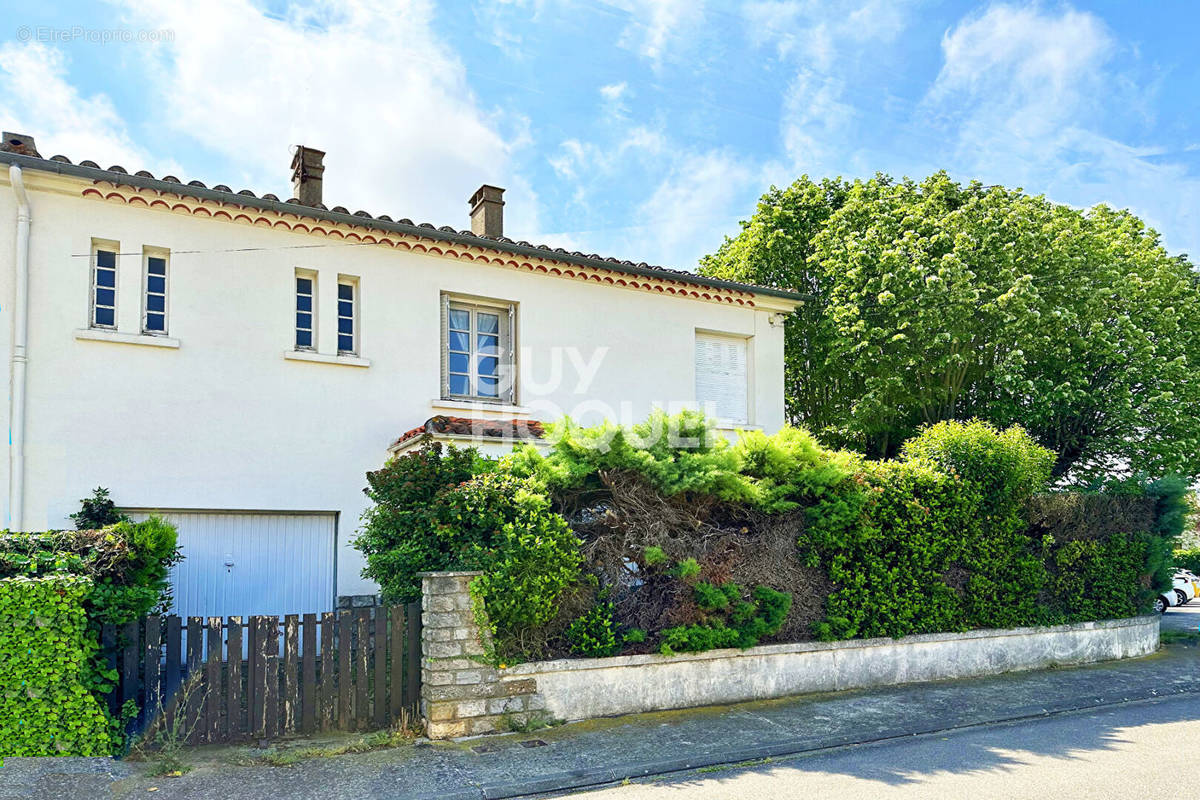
(291, 680)
(233, 702)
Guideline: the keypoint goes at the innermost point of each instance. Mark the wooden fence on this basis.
(227, 680)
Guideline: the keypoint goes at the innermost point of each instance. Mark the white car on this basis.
(1165, 600)
(1187, 587)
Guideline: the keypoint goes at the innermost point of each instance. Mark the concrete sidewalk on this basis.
(606, 751)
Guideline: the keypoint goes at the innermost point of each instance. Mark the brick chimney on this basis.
(307, 169)
(487, 211)
(19, 143)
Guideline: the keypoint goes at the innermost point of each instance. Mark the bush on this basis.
(45, 649)
(97, 511)
(399, 535)
(502, 525)
(594, 634)
(1188, 559)
(729, 621)
(128, 563)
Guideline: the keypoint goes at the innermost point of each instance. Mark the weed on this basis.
(1179, 637)
(403, 732)
(528, 722)
(163, 742)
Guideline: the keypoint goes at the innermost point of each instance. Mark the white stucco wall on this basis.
(226, 422)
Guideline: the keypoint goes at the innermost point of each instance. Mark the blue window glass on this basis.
(106, 297)
(303, 286)
(345, 343)
(156, 284)
(489, 366)
(304, 321)
(345, 291)
(460, 384)
(156, 302)
(156, 266)
(460, 341)
(156, 322)
(488, 323)
(489, 344)
(345, 308)
(460, 362)
(303, 302)
(460, 320)
(345, 325)
(106, 259)
(489, 387)
(303, 338)
(106, 277)
(104, 316)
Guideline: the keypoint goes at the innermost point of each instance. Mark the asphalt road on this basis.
(1144, 749)
(1182, 618)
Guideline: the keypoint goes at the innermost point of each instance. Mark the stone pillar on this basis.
(461, 694)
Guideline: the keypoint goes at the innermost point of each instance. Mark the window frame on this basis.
(355, 304)
(107, 246)
(164, 254)
(506, 373)
(311, 276)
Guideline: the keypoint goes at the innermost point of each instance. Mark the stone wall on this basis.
(461, 695)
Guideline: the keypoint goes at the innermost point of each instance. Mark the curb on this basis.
(600, 776)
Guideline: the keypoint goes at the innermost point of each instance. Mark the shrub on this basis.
(594, 634)
(729, 621)
(893, 569)
(97, 511)
(399, 535)
(1005, 468)
(45, 649)
(502, 525)
(1188, 559)
(128, 563)
(1094, 578)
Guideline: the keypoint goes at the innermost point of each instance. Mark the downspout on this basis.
(16, 410)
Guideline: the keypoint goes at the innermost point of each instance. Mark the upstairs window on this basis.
(306, 298)
(104, 286)
(154, 310)
(722, 387)
(347, 308)
(477, 352)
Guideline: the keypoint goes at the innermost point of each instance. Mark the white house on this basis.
(238, 362)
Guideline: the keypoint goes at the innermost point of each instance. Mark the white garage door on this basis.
(243, 563)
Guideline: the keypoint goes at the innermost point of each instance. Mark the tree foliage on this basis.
(934, 300)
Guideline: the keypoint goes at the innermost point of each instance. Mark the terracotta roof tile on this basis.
(499, 429)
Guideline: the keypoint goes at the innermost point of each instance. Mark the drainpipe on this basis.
(16, 416)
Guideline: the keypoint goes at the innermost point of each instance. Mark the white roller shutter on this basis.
(721, 382)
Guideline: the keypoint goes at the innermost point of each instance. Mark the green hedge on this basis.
(44, 654)
(1188, 559)
(618, 539)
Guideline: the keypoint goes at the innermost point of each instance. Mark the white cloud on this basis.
(613, 91)
(694, 206)
(36, 98)
(1025, 95)
(367, 81)
(816, 32)
(656, 27)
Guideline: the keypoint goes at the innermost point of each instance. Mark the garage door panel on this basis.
(238, 563)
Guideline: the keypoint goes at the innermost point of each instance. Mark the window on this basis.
(154, 310)
(104, 286)
(306, 317)
(347, 309)
(721, 384)
(477, 351)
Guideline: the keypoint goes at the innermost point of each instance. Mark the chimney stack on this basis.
(19, 143)
(307, 169)
(487, 211)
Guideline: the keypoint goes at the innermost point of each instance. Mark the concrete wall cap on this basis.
(578, 664)
(465, 574)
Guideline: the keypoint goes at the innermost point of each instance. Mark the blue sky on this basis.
(644, 130)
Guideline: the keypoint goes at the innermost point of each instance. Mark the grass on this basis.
(404, 732)
(755, 762)
(528, 722)
(1179, 637)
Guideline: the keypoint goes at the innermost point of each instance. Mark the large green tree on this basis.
(933, 300)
